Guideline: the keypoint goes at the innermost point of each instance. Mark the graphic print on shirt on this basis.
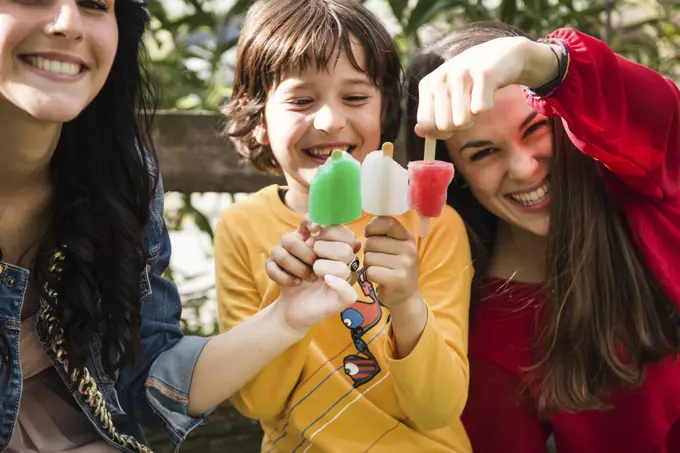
(359, 318)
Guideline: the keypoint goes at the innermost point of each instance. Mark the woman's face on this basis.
(55, 55)
(505, 158)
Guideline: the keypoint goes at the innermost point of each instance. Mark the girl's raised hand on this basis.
(451, 95)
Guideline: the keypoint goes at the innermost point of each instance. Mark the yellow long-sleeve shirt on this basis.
(340, 389)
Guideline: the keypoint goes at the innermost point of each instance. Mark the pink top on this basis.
(49, 419)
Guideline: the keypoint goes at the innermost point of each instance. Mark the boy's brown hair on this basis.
(281, 34)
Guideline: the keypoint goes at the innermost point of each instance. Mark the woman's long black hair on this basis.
(103, 175)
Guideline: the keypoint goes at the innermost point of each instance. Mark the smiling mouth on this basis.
(325, 152)
(53, 66)
(532, 198)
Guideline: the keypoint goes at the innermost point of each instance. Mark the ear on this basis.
(261, 135)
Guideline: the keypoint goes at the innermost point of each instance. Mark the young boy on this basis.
(389, 374)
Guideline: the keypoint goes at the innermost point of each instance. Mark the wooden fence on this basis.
(194, 158)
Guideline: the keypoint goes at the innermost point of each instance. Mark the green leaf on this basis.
(398, 8)
(239, 8)
(507, 10)
(426, 10)
(640, 24)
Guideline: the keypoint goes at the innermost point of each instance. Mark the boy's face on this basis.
(311, 113)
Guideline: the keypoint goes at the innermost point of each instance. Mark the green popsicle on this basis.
(335, 191)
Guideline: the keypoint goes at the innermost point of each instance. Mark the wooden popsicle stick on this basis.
(430, 148)
(388, 153)
(424, 227)
(430, 151)
(388, 150)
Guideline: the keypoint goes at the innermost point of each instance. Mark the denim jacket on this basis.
(153, 393)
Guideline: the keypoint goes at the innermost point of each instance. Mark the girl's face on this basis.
(505, 159)
(55, 55)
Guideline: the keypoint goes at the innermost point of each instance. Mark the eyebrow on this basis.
(295, 85)
(357, 81)
(299, 85)
(475, 144)
(481, 143)
(528, 120)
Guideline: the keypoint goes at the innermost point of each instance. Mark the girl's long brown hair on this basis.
(605, 315)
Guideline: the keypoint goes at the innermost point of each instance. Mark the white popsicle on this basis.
(384, 184)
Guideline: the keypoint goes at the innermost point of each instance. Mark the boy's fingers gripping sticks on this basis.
(307, 228)
(335, 191)
(339, 244)
(429, 180)
(335, 251)
(387, 226)
(384, 184)
(336, 233)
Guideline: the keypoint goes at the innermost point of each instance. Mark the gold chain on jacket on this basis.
(86, 385)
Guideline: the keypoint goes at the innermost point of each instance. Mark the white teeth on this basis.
(532, 198)
(58, 67)
(325, 152)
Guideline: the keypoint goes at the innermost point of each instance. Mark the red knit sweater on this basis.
(627, 117)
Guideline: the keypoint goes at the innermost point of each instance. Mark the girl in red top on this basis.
(570, 192)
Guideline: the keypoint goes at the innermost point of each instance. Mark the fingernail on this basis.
(315, 233)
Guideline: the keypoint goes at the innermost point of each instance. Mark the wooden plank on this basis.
(193, 158)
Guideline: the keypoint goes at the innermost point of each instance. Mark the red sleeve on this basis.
(496, 417)
(622, 114)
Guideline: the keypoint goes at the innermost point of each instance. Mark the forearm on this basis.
(233, 358)
(408, 322)
(540, 64)
(431, 381)
(632, 131)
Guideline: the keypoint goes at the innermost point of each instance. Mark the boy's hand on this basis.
(311, 252)
(391, 261)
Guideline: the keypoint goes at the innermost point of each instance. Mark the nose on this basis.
(67, 22)
(523, 163)
(329, 119)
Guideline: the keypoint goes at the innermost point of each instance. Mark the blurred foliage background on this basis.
(192, 45)
(193, 41)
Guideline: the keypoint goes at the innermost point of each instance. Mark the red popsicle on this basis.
(429, 180)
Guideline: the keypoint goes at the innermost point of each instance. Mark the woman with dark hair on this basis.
(570, 192)
(90, 339)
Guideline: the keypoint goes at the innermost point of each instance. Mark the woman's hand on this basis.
(451, 95)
